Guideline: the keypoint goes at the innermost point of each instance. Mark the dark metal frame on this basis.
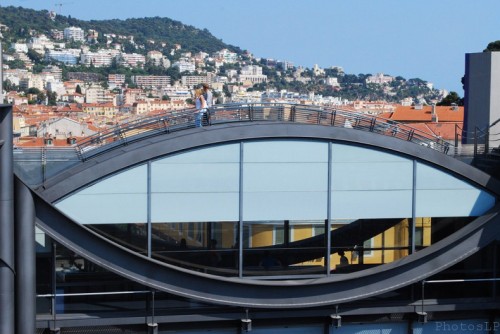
(246, 292)
(175, 121)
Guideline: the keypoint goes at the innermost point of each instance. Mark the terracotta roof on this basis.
(39, 142)
(444, 114)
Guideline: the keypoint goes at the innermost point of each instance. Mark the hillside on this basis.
(21, 20)
(161, 34)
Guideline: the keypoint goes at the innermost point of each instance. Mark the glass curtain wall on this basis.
(195, 209)
(261, 208)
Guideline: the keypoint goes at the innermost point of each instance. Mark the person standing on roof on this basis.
(207, 94)
(200, 107)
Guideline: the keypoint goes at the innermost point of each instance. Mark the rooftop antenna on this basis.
(60, 4)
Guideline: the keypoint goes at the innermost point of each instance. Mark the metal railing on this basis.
(173, 121)
(481, 141)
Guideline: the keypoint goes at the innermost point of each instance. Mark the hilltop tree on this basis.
(451, 98)
(493, 46)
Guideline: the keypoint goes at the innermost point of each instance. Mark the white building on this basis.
(33, 80)
(62, 128)
(226, 55)
(184, 66)
(55, 86)
(40, 43)
(97, 95)
(132, 59)
(332, 81)
(379, 79)
(151, 80)
(158, 59)
(194, 80)
(19, 47)
(74, 33)
(253, 74)
(251, 70)
(98, 59)
(56, 71)
(115, 80)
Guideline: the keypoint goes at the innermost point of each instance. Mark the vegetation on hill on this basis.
(22, 21)
(162, 34)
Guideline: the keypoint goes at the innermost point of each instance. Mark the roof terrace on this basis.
(54, 160)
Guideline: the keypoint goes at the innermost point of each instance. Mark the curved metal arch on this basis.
(267, 294)
(245, 292)
(136, 153)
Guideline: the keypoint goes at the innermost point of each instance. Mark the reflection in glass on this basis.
(283, 248)
(380, 206)
(364, 243)
(131, 236)
(208, 247)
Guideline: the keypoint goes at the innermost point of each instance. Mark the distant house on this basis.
(63, 128)
(439, 120)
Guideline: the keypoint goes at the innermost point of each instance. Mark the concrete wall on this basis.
(482, 93)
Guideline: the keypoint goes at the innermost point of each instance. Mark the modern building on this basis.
(150, 81)
(132, 59)
(271, 218)
(74, 34)
(66, 57)
(98, 59)
(184, 66)
(481, 99)
(194, 80)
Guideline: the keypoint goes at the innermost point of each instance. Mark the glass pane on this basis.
(132, 236)
(363, 243)
(208, 247)
(285, 180)
(196, 186)
(439, 194)
(119, 199)
(364, 181)
(429, 230)
(284, 248)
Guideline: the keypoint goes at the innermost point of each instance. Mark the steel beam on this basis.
(7, 266)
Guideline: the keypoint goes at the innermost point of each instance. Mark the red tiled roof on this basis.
(39, 142)
(444, 114)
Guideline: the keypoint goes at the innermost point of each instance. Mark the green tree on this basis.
(493, 46)
(451, 98)
(51, 98)
(9, 86)
(33, 90)
(78, 89)
(17, 63)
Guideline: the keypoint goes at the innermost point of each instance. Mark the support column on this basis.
(25, 260)
(7, 271)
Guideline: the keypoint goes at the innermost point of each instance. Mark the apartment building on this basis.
(195, 80)
(74, 33)
(252, 73)
(116, 80)
(152, 80)
(184, 66)
(100, 58)
(158, 59)
(107, 110)
(132, 59)
(69, 57)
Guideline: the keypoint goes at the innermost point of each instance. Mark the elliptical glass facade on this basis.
(261, 208)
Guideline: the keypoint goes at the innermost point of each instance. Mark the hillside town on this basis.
(54, 106)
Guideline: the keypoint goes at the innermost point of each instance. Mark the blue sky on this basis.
(425, 39)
